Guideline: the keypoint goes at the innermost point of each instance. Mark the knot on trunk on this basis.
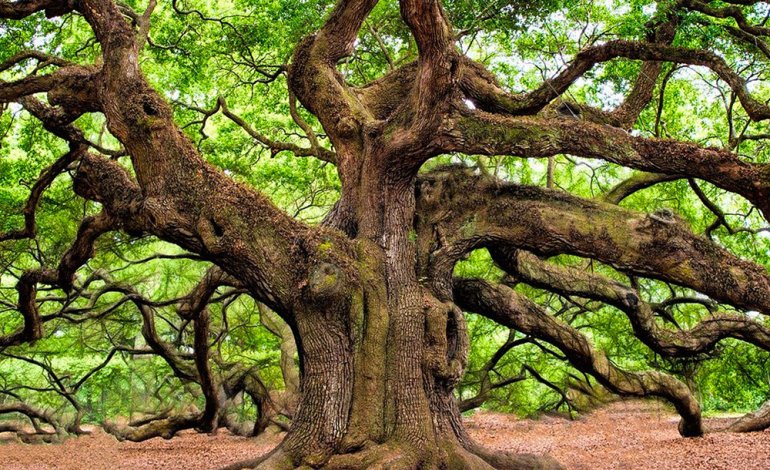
(326, 281)
(147, 111)
(445, 351)
(211, 230)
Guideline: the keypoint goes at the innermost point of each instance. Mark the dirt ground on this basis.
(627, 435)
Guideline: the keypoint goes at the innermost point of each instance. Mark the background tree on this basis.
(413, 154)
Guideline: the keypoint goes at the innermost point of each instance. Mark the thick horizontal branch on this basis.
(758, 420)
(459, 211)
(166, 428)
(22, 8)
(488, 134)
(34, 414)
(637, 182)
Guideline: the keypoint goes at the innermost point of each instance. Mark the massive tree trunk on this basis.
(369, 295)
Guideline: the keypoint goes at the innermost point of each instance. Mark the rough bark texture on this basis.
(369, 296)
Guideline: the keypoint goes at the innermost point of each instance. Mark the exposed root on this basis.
(35, 437)
(398, 456)
(752, 422)
(503, 460)
(165, 427)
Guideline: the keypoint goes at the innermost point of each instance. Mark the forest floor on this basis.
(624, 435)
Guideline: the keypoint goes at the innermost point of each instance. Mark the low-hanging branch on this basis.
(698, 339)
(505, 306)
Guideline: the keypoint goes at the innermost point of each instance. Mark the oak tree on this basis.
(370, 293)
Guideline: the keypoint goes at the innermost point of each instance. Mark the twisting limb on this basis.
(58, 121)
(726, 12)
(534, 101)
(42, 58)
(437, 65)
(82, 249)
(637, 182)
(681, 343)
(513, 310)
(195, 302)
(42, 183)
(208, 420)
(640, 95)
(32, 330)
(486, 385)
(275, 146)
(35, 416)
(183, 199)
(217, 391)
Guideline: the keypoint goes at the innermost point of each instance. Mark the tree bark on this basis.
(369, 296)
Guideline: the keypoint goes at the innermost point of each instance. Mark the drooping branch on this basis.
(42, 58)
(58, 121)
(513, 310)
(195, 302)
(67, 389)
(699, 339)
(486, 386)
(35, 416)
(276, 146)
